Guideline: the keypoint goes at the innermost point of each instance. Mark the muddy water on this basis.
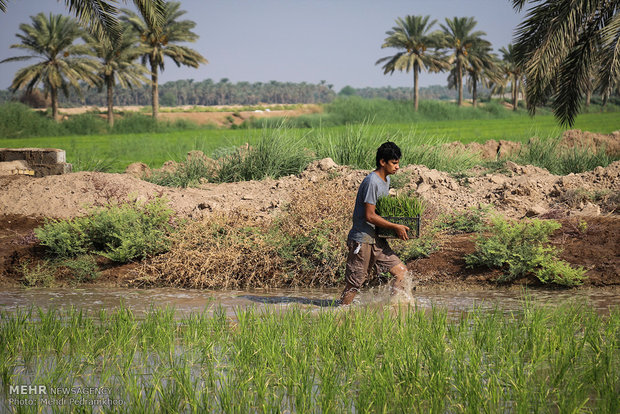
(187, 300)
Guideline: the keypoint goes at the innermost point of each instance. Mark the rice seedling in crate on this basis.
(400, 209)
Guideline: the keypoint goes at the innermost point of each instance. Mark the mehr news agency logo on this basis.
(26, 395)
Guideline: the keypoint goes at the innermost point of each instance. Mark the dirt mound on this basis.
(574, 138)
(592, 141)
(490, 150)
(517, 192)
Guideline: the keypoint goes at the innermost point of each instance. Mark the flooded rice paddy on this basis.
(285, 350)
(195, 300)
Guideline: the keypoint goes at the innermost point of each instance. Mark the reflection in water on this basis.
(322, 303)
(194, 300)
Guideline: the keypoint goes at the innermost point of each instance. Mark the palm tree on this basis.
(459, 38)
(411, 35)
(62, 64)
(482, 69)
(99, 16)
(560, 44)
(161, 41)
(118, 64)
(512, 72)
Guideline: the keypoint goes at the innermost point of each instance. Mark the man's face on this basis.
(391, 166)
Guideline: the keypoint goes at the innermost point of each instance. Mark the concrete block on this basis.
(34, 155)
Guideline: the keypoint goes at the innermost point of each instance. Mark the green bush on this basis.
(85, 124)
(521, 248)
(82, 268)
(561, 273)
(120, 232)
(64, 238)
(18, 121)
(133, 123)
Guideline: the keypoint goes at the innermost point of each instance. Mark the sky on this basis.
(337, 41)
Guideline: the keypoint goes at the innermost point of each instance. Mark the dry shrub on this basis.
(305, 246)
(313, 231)
(219, 252)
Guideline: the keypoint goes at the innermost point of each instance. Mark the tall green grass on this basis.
(356, 146)
(549, 154)
(538, 359)
(277, 153)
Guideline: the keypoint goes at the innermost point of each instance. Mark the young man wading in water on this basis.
(365, 248)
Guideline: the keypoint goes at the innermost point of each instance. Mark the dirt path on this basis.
(221, 116)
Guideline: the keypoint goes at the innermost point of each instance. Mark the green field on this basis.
(114, 152)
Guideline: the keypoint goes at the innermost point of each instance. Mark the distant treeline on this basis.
(209, 92)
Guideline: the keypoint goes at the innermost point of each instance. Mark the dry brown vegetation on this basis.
(304, 246)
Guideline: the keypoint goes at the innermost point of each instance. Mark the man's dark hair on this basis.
(388, 151)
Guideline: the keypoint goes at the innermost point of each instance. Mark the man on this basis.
(365, 248)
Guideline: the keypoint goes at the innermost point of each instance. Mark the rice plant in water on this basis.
(535, 359)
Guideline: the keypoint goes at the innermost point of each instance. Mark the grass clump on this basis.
(521, 248)
(557, 159)
(354, 146)
(196, 168)
(121, 232)
(277, 153)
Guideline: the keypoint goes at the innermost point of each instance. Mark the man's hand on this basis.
(377, 220)
(401, 231)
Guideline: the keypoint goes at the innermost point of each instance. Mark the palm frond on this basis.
(98, 15)
(609, 72)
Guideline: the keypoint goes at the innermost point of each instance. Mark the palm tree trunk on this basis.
(515, 93)
(415, 86)
(154, 91)
(459, 69)
(588, 97)
(54, 95)
(110, 98)
(474, 91)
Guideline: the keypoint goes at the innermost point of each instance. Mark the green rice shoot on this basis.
(399, 206)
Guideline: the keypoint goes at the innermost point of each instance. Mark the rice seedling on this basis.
(399, 206)
(539, 358)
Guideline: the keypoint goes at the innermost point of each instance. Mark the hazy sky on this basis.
(338, 41)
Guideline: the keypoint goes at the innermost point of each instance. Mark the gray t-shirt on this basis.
(370, 190)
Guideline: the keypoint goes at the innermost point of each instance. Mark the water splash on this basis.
(404, 295)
